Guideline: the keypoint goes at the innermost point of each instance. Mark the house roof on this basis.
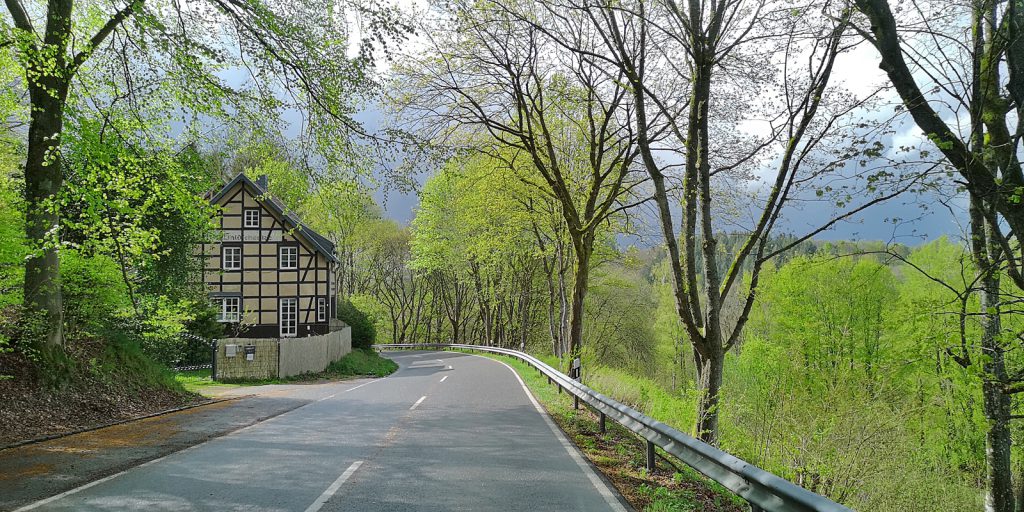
(318, 241)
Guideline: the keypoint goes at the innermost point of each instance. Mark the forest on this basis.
(651, 186)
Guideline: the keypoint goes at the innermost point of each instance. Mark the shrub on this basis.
(95, 295)
(363, 362)
(363, 332)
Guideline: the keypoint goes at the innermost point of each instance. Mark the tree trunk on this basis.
(999, 487)
(584, 248)
(563, 304)
(709, 384)
(996, 401)
(43, 181)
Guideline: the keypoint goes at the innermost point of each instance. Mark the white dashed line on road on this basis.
(418, 402)
(443, 378)
(319, 503)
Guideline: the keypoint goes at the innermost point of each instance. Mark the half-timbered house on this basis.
(268, 274)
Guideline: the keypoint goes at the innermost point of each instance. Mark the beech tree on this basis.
(300, 48)
(471, 226)
(690, 70)
(966, 62)
(556, 117)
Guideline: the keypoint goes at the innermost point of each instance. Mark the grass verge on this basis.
(621, 456)
(358, 363)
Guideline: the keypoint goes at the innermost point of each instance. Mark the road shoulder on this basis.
(39, 470)
(619, 456)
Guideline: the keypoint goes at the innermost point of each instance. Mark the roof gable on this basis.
(320, 243)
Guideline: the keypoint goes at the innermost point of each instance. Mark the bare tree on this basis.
(695, 72)
(557, 118)
(937, 73)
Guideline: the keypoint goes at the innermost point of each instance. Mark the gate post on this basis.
(213, 360)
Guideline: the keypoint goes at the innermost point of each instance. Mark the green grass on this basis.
(358, 363)
(197, 381)
(621, 456)
(363, 362)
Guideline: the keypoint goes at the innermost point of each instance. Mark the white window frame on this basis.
(246, 219)
(230, 310)
(294, 257)
(234, 262)
(288, 317)
(321, 309)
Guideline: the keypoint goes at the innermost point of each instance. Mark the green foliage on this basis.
(12, 252)
(364, 333)
(176, 332)
(363, 361)
(95, 294)
(123, 359)
(618, 329)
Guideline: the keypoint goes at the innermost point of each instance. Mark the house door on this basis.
(288, 317)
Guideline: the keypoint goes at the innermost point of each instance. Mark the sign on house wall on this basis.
(252, 236)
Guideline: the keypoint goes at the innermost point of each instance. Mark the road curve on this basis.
(448, 431)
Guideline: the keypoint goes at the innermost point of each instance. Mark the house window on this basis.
(252, 218)
(230, 309)
(321, 309)
(288, 316)
(231, 258)
(288, 256)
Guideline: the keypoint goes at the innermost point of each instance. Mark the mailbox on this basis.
(250, 352)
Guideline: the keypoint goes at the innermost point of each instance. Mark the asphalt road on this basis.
(446, 432)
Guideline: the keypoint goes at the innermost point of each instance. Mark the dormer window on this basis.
(252, 218)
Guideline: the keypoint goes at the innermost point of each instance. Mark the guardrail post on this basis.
(747, 481)
(575, 402)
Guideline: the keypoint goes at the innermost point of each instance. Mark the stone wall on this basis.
(263, 364)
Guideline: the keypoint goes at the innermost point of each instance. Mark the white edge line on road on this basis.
(326, 495)
(418, 402)
(51, 499)
(347, 390)
(599, 484)
(444, 378)
(67, 493)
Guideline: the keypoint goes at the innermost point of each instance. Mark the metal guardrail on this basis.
(763, 490)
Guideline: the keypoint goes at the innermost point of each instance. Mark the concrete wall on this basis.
(313, 353)
(281, 357)
(262, 366)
